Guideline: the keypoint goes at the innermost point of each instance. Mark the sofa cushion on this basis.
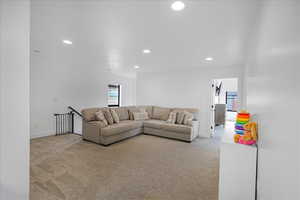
(121, 127)
(100, 117)
(115, 116)
(163, 125)
(161, 113)
(122, 113)
(108, 117)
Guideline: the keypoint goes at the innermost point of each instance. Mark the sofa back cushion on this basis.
(122, 113)
(148, 109)
(139, 116)
(89, 114)
(161, 113)
(154, 112)
(194, 111)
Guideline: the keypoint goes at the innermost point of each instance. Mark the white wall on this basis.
(189, 88)
(62, 75)
(14, 99)
(55, 88)
(274, 95)
(108, 39)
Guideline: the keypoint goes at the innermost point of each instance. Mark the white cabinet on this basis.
(237, 172)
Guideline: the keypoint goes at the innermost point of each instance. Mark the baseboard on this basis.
(41, 134)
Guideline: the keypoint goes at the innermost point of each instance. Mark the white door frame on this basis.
(212, 90)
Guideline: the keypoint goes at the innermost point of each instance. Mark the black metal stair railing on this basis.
(75, 111)
(64, 123)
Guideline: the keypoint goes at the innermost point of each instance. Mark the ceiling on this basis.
(112, 34)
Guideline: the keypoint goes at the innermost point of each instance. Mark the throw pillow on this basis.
(172, 117)
(131, 111)
(115, 116)
(108, 117)
(89, 114)
(180, 118)
(188, 118)
(140, 116)
(122, 113)
(100, 117)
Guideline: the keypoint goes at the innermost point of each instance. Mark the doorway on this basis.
(224, 106)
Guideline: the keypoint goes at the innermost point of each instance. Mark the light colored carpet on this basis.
(143, 167)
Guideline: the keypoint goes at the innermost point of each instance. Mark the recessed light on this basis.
(146, 51)
(136, 67)
(178, 5)
(67, 42)
(209, 59)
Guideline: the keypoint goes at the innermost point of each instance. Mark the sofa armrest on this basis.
(100, 124)
(195, 128)
(195, 123)
(92, 130)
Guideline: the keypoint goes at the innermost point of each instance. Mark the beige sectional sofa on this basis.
(157, 124)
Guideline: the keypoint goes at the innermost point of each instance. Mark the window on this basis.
(231, 101)
(114, 95)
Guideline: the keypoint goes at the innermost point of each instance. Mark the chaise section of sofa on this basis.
(175, 131)
(160, 127)
(120, 131)
(98, 132)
